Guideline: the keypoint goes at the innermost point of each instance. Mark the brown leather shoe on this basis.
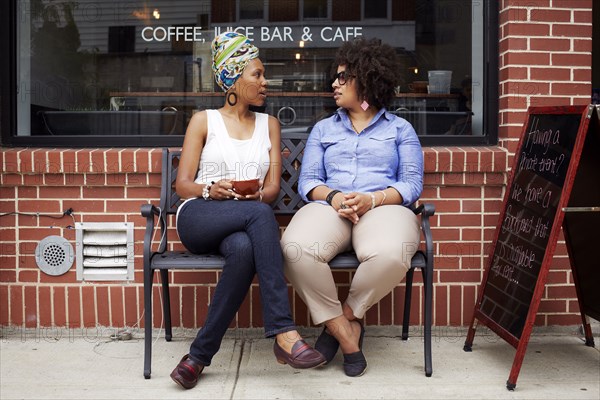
(303, 356)
(187, 372)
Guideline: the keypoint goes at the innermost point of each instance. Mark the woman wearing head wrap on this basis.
(220, 147)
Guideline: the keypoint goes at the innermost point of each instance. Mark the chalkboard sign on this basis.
(530, 210)
(544, 170)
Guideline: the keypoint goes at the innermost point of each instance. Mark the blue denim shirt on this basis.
(386, 154)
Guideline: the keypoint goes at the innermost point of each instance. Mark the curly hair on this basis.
(374, 65)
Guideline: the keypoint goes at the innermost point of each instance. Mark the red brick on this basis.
(45, 297)
(572, 4)
(53, 180)
(11, 179)
(31, 313)
(83, 160)
(187, 307)
(98, 164)
(469, 300)
(565, 319)
(194, 277)
(440, 301)
(141, 160)
(25, 192)
(116, 179)
(147, 193)
(455, 305)
(584, 17)
(16, 305)
(549, 15)
(572, 30)
(549, 44)
(467, 276)
(27, 276)
(4, 300)
(69, 161)
(513, 73)
(510, 44)
(102, 306)
(550, 74)
(62, 193)
(116, 306)
(554, 100)
(85, 206)
(41, 206)
(460, 192)
(257, 316)
(561, 292)
(202, 302)
(89, 307)
(572, 60)
(103, 192)
(301, 315)
(525, 29)
(74, 304)
(156, 161)
(59, 306)
(127, 161)
(552, 306)
(584, 75)
(460, 220)
(570, 89)
(385, 310)
(131, 306)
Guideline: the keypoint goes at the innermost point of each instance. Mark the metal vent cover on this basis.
(54, 255)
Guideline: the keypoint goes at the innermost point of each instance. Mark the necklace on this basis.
(353, 127)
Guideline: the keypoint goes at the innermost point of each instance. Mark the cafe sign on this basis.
(397, 35)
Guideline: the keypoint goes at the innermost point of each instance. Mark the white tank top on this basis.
(224, 157)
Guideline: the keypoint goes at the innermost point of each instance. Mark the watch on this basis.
(206, 191)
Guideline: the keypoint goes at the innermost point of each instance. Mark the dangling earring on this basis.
(234, 102)
(364, 105)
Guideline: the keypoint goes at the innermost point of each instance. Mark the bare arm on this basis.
(193, 143)
(272, 182)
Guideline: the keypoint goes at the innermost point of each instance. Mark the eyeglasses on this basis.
(342, 77)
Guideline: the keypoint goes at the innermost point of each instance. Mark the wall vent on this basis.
(104, 251)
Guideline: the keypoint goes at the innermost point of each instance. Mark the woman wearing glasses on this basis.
(361, 168)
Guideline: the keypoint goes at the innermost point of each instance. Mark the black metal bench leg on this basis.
(148, 276)
(164, 277)
(407, 297)
(428, 293)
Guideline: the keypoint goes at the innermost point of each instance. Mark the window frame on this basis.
(9, 83)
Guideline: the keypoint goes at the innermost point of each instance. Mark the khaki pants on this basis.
(385, 239)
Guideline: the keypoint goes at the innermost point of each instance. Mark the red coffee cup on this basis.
(247, 187)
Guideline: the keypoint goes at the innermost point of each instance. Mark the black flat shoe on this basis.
(327, 345)
(355, 364)
(187, 372)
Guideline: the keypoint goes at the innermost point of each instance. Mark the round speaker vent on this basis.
(54, 255)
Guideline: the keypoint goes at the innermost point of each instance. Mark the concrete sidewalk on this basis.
(55, 364)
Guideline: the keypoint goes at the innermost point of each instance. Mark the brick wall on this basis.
(545, 59)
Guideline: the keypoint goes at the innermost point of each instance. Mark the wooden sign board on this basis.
(545, 172)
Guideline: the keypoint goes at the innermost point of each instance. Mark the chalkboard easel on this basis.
(553, 184)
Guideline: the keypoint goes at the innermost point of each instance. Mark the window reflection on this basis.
(123, 70)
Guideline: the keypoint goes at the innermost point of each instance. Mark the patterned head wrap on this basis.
(231, 53)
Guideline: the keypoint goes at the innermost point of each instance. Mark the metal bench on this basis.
(287, 203)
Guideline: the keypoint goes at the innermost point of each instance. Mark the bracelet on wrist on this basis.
(206, 191)
(331, 195)
(372, 200)
(384, 197)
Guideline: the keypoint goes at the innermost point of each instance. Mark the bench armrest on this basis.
(426, 210)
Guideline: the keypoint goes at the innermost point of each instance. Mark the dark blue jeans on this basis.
(246, 233)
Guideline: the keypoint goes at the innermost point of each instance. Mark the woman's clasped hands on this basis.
(352, 206)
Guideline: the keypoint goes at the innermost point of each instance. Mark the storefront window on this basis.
(88, 70)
